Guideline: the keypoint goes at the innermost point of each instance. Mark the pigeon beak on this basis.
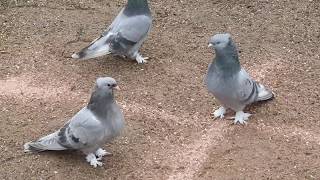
(210, 45)
(116, 88)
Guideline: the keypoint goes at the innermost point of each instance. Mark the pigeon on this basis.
(124, 36)
(97, 123)
(229, 82)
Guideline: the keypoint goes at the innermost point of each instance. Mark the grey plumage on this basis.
(229, 82)
(97, 123)
(124, 36)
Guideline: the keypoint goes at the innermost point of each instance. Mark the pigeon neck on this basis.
(227, 60)
(99, 103)
(136, 7)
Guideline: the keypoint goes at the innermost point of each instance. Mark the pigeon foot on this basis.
(141, 59)
(241, 117)
(219, 113)
(101, 152)
(91, 158)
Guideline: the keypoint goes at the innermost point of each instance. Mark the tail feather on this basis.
(49, 142)
(264, 93)
(97, 48)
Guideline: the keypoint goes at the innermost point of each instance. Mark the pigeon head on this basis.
(106, 85)
(226, 52)
(220, 41)
(104, 89)
(137, 7)
(102, 96)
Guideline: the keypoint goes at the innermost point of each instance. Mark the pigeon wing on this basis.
(247, 91)
(83, 130)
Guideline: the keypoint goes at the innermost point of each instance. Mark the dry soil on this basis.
(169, 133)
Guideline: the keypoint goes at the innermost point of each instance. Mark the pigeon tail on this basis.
(97, 48)
(264, 93)
(48, 142)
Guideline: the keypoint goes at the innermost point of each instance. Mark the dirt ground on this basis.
(169, 133)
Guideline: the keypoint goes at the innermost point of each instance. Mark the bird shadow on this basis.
(258, 104)
(110, 65)
(229, 115)
(65, 154)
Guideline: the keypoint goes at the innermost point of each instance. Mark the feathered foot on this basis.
(219, 113)
(91, 158)
(141, 59)
(241, 117)
(101, 152)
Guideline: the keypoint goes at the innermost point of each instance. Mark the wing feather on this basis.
(82, 130)
(247, 88)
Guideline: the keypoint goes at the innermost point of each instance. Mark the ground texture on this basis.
(170, 133)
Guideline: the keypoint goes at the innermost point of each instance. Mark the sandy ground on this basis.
(170, 133)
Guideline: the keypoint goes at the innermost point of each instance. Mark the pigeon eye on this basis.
(109, 85)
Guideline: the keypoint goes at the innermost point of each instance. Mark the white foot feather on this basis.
(91, 158)
(241, 117)
(219, 113)
(101, 152)
(141, 59)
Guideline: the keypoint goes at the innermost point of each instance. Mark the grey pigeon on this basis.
(94, 125)
(229, 82)
(124, 36)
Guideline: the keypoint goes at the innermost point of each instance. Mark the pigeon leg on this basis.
(219, 113)
(101, 152)
(91, 158)
(241, 117)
